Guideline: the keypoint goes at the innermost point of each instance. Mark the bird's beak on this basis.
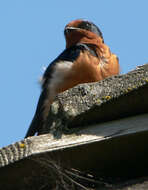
(69, 29)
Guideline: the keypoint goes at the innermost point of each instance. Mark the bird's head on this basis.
(81, 31)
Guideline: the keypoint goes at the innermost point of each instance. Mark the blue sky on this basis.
(31, 36)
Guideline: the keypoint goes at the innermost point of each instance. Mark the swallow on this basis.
(85, 59)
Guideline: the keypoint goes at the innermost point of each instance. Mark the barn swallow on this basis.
(86, 59)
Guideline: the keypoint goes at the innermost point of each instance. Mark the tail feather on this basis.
(41, 113)
(34, 126)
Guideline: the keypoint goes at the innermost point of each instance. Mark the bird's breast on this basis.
(85, 69)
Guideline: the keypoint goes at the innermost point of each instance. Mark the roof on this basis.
(93, 128)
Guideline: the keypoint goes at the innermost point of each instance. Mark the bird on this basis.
(85, 59)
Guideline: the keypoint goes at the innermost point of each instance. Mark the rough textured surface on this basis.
(15, 152)
(112, 98)
(116, 149)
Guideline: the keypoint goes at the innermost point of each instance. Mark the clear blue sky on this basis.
(31, 36)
